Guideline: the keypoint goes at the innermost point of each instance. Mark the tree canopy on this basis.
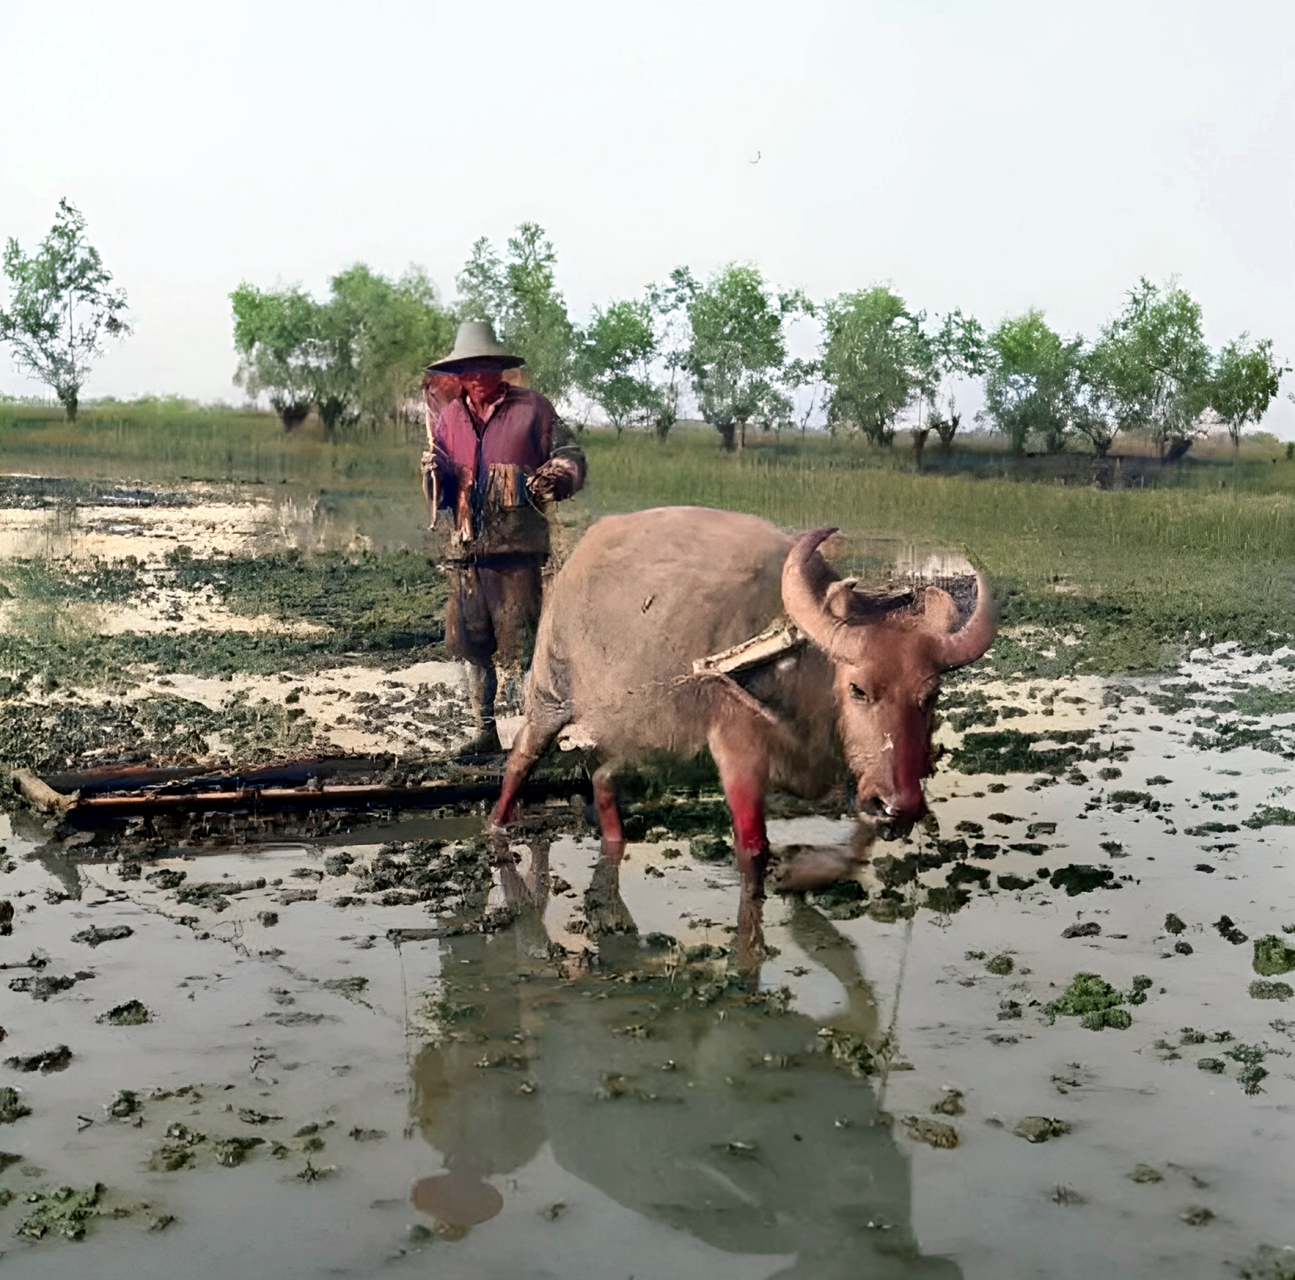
(614, 363)
(520, 298)
(1245, 381)
(735, 353)
(1030, 380)
(356, 357)
(1155, 365)
(876, 361)
(61, 308)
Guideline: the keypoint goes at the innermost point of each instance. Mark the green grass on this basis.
(1130, 573)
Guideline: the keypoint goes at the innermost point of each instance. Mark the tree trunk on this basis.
(919, 445)
(726, 435)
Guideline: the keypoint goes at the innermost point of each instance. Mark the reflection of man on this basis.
(499, 455)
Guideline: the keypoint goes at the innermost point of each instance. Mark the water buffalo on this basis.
(645, 596)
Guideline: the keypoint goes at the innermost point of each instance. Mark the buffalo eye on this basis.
(858, 695)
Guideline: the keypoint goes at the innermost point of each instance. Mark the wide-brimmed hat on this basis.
(475, 343)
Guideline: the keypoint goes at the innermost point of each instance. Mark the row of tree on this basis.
(880, 365)
(356, 357)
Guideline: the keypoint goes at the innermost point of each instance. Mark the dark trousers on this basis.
(494, 609)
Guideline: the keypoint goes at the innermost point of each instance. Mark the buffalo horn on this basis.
(806, 578)
(975, 636)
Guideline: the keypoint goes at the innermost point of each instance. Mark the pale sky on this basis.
(988, 154)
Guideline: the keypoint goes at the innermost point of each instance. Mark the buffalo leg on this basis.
(531, 743)
(609, 814)
(744, 775)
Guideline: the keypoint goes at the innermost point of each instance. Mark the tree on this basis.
(357, 357)
(275, 335)
(614, 362)
(736, 352)
(61, 308)
(1030, 381)
(1246, 378)
(876, 361)
(1156, 366)
(959, 349)
(520, 299)
(385, 331)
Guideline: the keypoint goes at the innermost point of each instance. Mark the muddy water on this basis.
(549, 1098)
(562, 1068)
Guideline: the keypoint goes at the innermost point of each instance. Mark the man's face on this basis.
(481, 383)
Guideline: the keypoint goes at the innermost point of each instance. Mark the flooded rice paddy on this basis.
(1050, 1034)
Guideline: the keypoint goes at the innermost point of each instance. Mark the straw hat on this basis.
(475, 343)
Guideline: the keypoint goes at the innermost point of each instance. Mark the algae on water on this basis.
(1096, 1003)
(1273, 956)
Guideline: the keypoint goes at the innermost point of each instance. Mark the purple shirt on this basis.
(519, 432)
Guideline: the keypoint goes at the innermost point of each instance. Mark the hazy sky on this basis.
(983, 154)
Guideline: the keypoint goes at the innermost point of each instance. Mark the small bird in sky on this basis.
(757, 158)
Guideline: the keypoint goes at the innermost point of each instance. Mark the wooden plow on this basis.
(130, 790)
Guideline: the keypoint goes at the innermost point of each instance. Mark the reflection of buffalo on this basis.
(678, 1094)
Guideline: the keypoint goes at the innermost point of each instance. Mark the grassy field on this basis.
(1131, 573)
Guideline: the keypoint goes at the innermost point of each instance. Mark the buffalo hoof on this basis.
(814, 869)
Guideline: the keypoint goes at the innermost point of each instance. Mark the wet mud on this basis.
(1049, 1033)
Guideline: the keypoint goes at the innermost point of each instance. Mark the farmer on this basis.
(497, 456)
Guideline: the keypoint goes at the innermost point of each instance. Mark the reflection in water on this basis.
(680, 1091)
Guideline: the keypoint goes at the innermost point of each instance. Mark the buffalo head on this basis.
(887, 666)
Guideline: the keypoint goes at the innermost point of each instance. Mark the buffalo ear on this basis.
(839, 598)
(941, 612)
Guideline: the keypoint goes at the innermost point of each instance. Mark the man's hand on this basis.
(541, 486)
(556, 479)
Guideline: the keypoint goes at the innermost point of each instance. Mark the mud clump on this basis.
(1273, 956)
(1001, 965)
(231, 1152)
(1269, 1264)
(427, 871)
(64, 1212)
(1040, 1128)
(1226, 928)
(131, 1014)
(944, 1137)
(56, 1059)
(844, 900)
(12, 1107)
(94, 936)
(124, 1105)
(1011, 882)
(1087, 929)
(177, 1152)
(849, 1051)
(951, 1104)
(1080, 877)
(1174, 924)
(1012, 751)
(167, 879)
(710, 848)
(42, 985)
